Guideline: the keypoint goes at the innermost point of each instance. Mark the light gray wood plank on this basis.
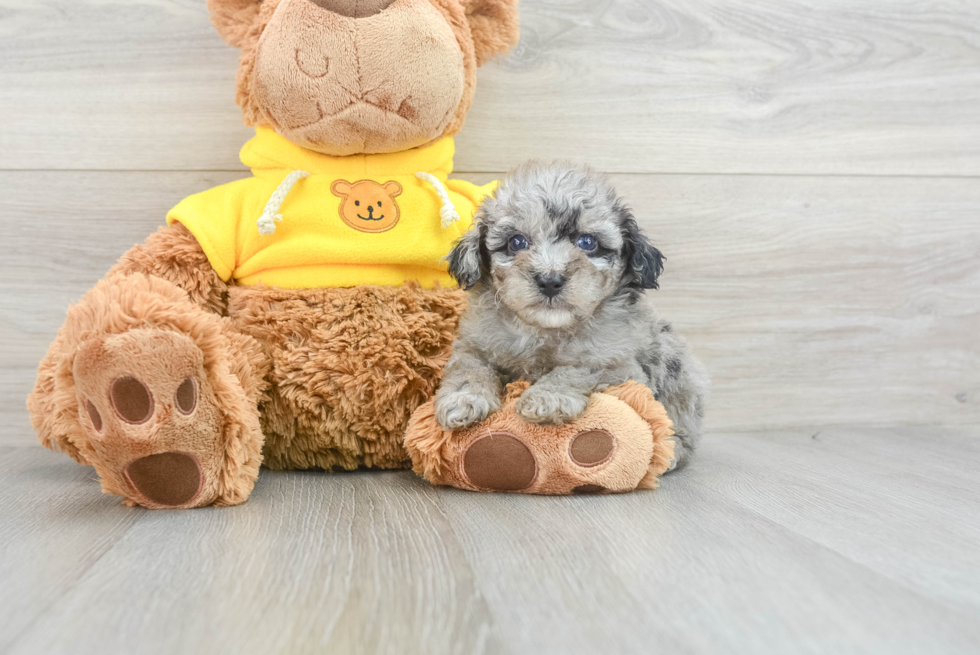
(764, 86)
(15, 425)
(684, 569)
(312, 563)
(813, 301)
(54, 526)
(902, 502)
(738, 553)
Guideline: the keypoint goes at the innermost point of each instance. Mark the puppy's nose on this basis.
(550, 285)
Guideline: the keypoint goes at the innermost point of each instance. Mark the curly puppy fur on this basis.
(557, 270)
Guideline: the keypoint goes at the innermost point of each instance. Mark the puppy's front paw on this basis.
(460, 409)
(539, 405)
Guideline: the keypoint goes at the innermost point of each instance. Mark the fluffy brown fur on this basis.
(494, 26)
(643, 444)
(233, 19)
(173, 254)
(349, 368)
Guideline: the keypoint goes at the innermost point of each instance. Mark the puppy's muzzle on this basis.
(550, 285)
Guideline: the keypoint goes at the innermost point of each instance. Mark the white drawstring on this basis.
(447, 212)
(271, 215)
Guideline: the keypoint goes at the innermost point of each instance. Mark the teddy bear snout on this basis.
(340, 82)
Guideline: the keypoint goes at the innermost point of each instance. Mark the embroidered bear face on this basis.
(368, 206)
(347, 77)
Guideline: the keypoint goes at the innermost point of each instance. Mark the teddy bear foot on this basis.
(621, 442)
(152, 418)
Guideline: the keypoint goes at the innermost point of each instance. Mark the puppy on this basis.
(557, 270)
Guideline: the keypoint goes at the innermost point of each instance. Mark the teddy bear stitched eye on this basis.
(357, 203)
(517, 242)
(379, 203)
(586, 242)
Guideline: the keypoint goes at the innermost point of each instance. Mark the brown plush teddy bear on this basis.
(295, 318)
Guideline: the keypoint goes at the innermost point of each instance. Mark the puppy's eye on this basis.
(517, 242)
(586, 242)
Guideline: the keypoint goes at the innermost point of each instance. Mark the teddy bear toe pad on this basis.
(591, 447)
(499, 461)
(166, 479)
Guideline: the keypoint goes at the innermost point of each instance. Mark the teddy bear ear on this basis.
(233, 18)
(494, 24)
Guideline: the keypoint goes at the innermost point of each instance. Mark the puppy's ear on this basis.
(494, 25)
(233, 18)
(644, 263)
(466, 262)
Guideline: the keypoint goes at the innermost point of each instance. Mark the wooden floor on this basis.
(830, 541)
(812, 172)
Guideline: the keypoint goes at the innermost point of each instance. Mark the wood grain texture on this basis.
(813, 301)
(362, 564)
(715, 86)
(54, 526)
(768, 543)
(833, 486)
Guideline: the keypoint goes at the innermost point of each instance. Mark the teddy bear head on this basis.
(345, 77)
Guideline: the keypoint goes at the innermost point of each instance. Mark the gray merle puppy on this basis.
(558, 269)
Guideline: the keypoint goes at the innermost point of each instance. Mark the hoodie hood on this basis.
(270, 153)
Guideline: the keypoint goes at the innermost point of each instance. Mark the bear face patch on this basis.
(368, 206)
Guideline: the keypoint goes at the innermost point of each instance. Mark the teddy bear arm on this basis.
(174, 254)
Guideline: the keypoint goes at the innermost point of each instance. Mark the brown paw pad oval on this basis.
(592, 447)
(588, 489)
(94, 415)
(131, 400)
(168, 479)
(499, 462)
(186, 396)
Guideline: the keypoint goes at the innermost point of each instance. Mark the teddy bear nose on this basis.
(354, 8)
(550, 285)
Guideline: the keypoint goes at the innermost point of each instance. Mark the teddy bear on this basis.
(295, 318)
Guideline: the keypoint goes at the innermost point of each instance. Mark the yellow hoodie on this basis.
(310, 220)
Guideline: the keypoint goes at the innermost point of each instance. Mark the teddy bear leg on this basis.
(166, 412)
